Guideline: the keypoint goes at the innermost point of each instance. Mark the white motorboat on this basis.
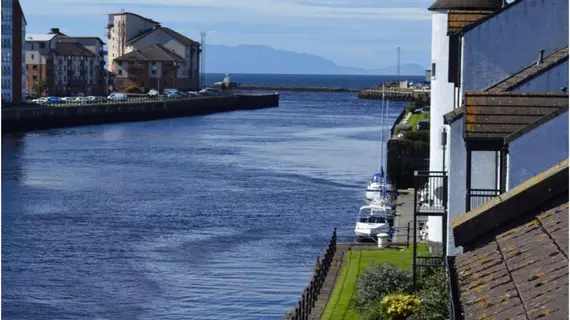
(384, 200)
(371, 221)
(377, 185)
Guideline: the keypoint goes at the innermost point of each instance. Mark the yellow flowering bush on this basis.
(400, 305)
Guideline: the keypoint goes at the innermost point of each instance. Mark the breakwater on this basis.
(395, 94)
(47, 117)
(285, 88)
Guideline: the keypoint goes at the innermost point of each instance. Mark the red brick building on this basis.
(152, 67)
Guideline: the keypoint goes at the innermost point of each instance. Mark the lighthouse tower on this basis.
(443, 89)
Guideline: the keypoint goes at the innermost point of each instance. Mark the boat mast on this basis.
(382, 134)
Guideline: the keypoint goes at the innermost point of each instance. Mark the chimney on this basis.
(54, 31)
(540, 57)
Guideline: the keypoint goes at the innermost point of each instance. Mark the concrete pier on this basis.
(395, 94)
(47, 117)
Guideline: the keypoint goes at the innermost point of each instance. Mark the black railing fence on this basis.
(307, 302)
(478, 197)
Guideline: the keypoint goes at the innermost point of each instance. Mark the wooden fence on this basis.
(305, 305)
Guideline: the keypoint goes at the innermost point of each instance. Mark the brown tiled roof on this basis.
(495, 115)
(178, 36)
(521, 273)
(531, 71)
(534, 125)
(457, 20)
(72, 49)
(154, 52)
(467, 4)
(515, 264)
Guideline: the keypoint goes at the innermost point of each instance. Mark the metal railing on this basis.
(430, 191)
(478, 197)
(307, 302)
(430, 199)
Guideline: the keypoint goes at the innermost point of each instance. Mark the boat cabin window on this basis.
(372, 220)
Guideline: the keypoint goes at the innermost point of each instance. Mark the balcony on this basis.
(477, 197)
(430, 191)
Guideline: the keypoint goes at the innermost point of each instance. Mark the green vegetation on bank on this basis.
(340, 304)
(414, 118)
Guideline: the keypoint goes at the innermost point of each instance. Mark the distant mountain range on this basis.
(264, 59)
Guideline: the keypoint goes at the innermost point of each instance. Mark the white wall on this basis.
(550, 81)
(538, 150)
(441, 103)
(457, 176)
(511, 40)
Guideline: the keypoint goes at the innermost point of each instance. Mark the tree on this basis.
(39, 87)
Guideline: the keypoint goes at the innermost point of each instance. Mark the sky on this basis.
(355, 33)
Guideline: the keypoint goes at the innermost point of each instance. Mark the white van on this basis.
(116, 96)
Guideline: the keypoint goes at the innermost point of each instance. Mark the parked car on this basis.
(193, 94)
(116, 96)
(68, 99)
(153, 93)
(53, 100)
(422, 125)
(40, 100)
(81, 100)
(173, 95)
(93, 99)
(31, 96)
(208, 92)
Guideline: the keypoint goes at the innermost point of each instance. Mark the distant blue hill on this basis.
(266, 60)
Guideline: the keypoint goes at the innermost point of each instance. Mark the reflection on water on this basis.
(212, 217)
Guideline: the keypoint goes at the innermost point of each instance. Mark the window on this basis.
(433, 70)
(120, 72)
(33, 57)
(32, 46)
(42, 45)
(153, 72)
(35, 77)
(35, 66)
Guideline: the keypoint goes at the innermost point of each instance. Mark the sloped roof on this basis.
(154, 52)
(453, 115)
(515, 264)
(178, 36)
(529, 128)
(134, 14)
(495, 115)
(531, 71)
(43, 37)
(94, 38)
(72, 49)
(457, 20)
(467, 4)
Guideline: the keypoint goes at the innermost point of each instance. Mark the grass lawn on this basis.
(414, 118)
(354, 264)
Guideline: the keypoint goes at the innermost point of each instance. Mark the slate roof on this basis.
(154, 52)
(72, 49)
(453, 115)
(134, 14)
(178, 36)
(467, 4)
(531, 71)
(517, 268)
(44, 37)
(495, 115)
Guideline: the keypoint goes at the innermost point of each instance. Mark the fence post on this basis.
(408, 236)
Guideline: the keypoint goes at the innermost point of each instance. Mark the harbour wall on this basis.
(395, 95)
(22, 119)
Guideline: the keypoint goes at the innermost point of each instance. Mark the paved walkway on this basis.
(405, 217)
(328, 285)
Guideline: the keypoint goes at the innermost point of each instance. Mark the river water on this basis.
(211, 217)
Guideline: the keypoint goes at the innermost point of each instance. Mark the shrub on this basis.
(133, 89)
(434, 296)
(411, 107)
(379, 280)
(402, 127)
(400, 306)
(420, 136)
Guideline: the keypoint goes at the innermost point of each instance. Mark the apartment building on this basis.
(13, 52)
(67, 65)
(153, 67)
(130, 32)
